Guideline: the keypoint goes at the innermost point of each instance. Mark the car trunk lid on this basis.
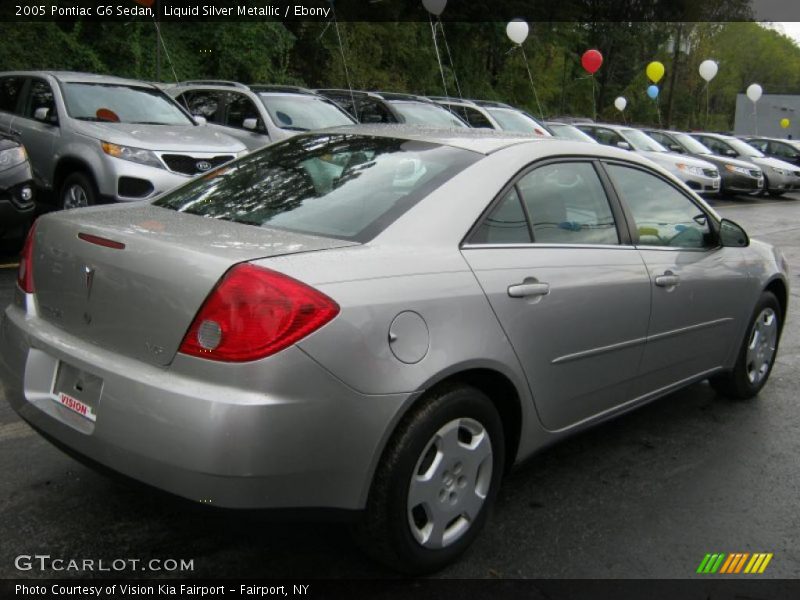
(130, 279)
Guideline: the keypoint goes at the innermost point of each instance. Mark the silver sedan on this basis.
(382, 321)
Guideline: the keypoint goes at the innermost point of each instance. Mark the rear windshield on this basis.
(345, 186)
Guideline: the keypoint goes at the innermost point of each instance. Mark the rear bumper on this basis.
(283, 433)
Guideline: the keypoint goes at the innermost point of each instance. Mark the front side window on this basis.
(40, 95)
(607, 137)
(662, 215)
(641, 141)
(203, 103)
(121, 104)
(567, 204)
(783, 151)
(345, 186)
(240, 108)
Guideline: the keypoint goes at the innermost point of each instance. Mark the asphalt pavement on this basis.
(644, 496)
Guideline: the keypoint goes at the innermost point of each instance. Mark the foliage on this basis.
(400, 56)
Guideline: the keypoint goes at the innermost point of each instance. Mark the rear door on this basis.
(570, 291)
(699, 289)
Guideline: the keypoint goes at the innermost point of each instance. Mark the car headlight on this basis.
(735, 169)
(12, 157)
(778, 171)
(137, 155)
(691, 170)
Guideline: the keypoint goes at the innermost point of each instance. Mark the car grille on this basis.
(755, 173)
(710, 172)
(190, 165)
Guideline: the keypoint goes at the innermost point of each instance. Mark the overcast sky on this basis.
(790, 28)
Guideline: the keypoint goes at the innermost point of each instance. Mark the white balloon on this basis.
(708, 69)
(754, 92)
(435, 7)
(517, 31)
(620, 103)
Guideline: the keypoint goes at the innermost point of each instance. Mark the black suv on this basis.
(16, 190)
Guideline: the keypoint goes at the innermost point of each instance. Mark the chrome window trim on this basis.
(535, 245)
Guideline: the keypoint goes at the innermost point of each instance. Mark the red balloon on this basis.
(591, 60)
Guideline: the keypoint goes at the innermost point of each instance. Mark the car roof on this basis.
(79, 77)
(452, 100)
(483, 141)
(388, 96)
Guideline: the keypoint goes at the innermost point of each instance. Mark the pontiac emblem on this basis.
(88, 274)
(202, 165)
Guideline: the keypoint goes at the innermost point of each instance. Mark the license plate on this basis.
(77, 391)
(76, 406)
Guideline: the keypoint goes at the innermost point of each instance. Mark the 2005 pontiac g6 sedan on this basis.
(381, 320)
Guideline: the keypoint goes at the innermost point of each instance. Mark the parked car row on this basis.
(94, 138)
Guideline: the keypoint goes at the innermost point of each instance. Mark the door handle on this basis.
(529, 287)
(668, 279)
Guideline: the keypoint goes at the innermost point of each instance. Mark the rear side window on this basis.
(345, 186)
(10, 87)
(567, 204)
(475, 118)
(506, 224)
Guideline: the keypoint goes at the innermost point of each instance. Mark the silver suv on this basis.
(258, 114)
(94, 138)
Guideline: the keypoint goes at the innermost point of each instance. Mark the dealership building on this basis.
(765, 117)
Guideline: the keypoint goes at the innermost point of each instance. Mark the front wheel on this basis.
(436, 482)
(78, 191)
(757, 352)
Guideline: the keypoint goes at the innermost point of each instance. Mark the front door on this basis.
(571, 293)
(697, 286)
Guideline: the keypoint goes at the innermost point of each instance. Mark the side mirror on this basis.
(731, 153)
(199, 120)
(42, 114)
(624, 145)
(676, 148)
(732, 235)
(250, 123)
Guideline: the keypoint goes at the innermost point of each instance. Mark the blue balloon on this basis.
(652, 91)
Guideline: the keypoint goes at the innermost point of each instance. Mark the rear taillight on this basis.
(253, 313)
(25, 272)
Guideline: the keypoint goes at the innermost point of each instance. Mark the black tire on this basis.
(776, 193)
(737, 383)
(385, 531)
(81, 181)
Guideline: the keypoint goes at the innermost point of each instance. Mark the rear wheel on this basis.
(78, 191)
(757, 353)
(436, 482)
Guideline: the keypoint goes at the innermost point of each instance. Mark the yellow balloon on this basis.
(785, 123)
(655, 71)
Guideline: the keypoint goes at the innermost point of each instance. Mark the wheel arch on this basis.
(68, 165)
(778, 287)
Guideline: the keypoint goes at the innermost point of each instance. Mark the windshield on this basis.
(301, 113)
(513, 120)
(642, 141)
(692, 145)
(743, 148)
(569, 132)
(345, 186)
(115, 103)
(421, 113)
